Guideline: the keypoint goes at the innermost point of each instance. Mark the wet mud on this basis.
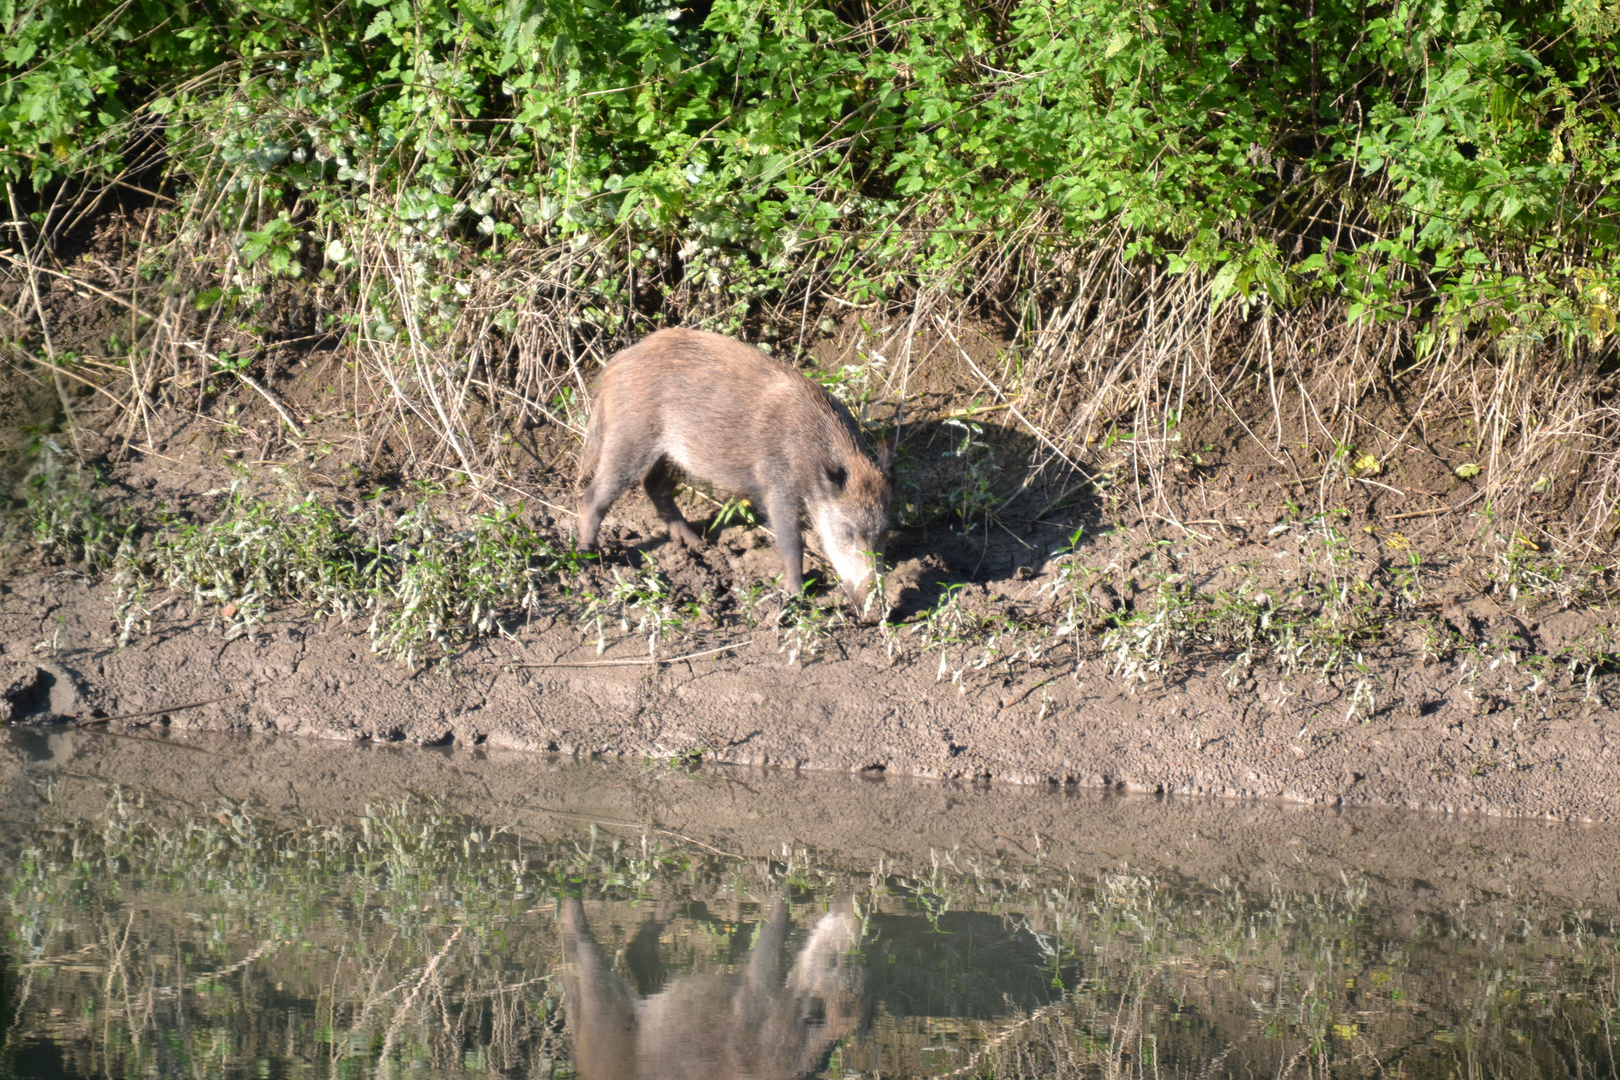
(1439, 745)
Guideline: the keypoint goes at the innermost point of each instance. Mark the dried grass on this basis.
(450, 352)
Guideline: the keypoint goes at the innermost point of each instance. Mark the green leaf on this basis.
(1225, 283)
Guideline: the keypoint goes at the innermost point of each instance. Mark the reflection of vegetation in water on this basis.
(1318, 985)
(213, 944)
(154, 942)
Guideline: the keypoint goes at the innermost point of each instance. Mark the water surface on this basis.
(277, 908)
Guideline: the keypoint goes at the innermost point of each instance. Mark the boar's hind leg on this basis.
(604, 488)
(660, 485)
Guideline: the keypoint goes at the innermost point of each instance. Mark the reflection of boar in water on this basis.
(751, 1024)
(714, 409)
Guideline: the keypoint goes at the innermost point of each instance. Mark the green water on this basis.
(254, 908)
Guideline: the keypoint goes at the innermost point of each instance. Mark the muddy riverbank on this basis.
(1443, 736)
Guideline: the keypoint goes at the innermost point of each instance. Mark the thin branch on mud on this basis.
(1475, 497)
(154, 712)
(1010, 702)
(641, 662)
(275, 402)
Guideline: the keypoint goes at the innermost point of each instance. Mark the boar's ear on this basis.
(837, 475)
(885, 460)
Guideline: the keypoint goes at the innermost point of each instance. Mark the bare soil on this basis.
(1469, 731)
(849, 710)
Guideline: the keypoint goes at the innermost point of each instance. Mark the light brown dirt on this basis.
(1436, 746)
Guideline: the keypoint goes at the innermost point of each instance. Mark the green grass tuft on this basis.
(429, 587)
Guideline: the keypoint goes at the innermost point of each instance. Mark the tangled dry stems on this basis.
(1102, 360)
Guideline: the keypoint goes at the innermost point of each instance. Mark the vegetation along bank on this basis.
(1250, 366)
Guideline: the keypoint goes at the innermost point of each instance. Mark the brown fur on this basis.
(685, 402)
(755, 1022)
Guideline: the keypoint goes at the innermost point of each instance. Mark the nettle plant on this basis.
(1395, 155)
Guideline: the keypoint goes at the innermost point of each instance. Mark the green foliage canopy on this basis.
(1450, 160)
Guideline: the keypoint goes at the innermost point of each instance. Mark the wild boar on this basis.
(700, 405)
(756, 1022)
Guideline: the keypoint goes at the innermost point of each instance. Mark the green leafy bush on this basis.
(1451, 159)
(485, 197)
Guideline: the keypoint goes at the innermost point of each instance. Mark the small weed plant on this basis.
(969, 638)
(859, 384)
(803, 628)
(436, 588)
(63, 516)
(255, 554)
(1524, 572)
(971, 498)
(1322, 622)
(640, 601)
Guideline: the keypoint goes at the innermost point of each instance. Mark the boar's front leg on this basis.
(783, 511)
(600, 1008)
(660, 485)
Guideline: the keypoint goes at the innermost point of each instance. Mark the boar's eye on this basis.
(838, 475)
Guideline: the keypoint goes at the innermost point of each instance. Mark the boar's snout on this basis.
(853, 543)
(870, 603)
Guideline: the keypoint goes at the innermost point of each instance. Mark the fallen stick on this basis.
(1375, 483)
(1437, 510)
(153, 712)
(1010, 702)
(640, 662)
(1420, 513)
(275, 403)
